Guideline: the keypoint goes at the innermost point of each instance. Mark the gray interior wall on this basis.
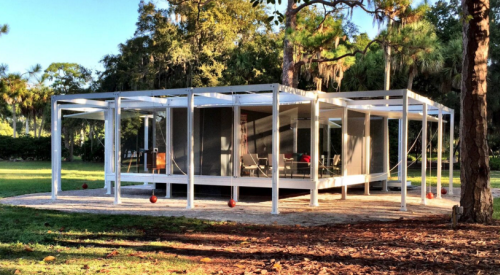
(259, 130)
(355, 151)
(377, 144)
(212, 140)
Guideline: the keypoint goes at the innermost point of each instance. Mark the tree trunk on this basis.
(27, 128)
(34, 125)
(474, 164)
(387, 57)
(14, 118)
(411, 76)
(289, 77)
(71, 146)
(41, 125)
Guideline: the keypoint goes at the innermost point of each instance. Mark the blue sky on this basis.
(77, 31)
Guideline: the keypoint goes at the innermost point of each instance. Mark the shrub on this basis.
(25, 147)
(93, 154)
(495, 163)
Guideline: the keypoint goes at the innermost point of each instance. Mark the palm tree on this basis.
(40, 102)
(13, 89)
(4, 29)
(416, 50)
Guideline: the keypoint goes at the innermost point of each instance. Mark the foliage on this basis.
(197, 49)
(5, 129)
(318, 37)
(4, 29)
(25, 147)
(92, 153)
(495, 163)
(67, 78)
(416, 49)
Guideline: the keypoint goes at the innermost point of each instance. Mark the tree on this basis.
(476, 196)
(4, 29)
(13, 89)
(69, 78)
(416, 50)
(380, 10)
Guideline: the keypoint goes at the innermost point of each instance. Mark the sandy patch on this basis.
(379, 206)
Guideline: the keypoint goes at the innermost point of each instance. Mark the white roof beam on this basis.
(424, 99)
(87, 102)
(218, 96)
(378, 93)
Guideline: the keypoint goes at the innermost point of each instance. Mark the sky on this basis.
(78, 31)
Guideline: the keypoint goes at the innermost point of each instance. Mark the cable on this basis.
(172, 156)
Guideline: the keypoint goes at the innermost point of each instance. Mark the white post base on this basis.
(367, 189)
(344, 192)
(168, 194)
(314, 198)
(236, 193)
(384, 186)
(108, 187)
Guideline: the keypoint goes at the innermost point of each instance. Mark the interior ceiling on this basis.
(303, 110)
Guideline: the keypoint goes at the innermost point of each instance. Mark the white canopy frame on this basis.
(402, 104)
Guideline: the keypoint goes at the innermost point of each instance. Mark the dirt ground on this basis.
(294, 209)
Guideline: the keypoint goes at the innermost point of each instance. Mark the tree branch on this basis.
(344, 55)
(333, 4)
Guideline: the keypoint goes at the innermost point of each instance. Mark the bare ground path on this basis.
(379, 206)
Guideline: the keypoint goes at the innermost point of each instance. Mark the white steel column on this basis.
(400, 145)
(452, 156)
(367, 152)
(108, 150)
(236, 149)
(275, 151)
(439, 152)
(314, 150)
(404, 151)
(423, 185)
(59, 148)
(56, 148)
(387, 165)
(190, 149)
(329, 144)
(345, 139)
(295, 131)
(146, 144)
(154, 146)
(118, 162)
(168, 149)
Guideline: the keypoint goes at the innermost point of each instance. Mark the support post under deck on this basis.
(314, 150)
(276, 151)
(423, 185)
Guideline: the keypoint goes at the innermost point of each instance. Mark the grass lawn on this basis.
(415, 178)
(18, 178)
(121, 244)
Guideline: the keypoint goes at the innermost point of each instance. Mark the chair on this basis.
(335, 163)
(251, 163)
(282, 163)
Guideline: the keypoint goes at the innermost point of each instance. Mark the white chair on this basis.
(282, 163)
(251, 163)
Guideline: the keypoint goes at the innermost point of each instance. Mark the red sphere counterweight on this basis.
(444, 191)
(153, 198)
(430, 195)
(84, 186)
(231, 203)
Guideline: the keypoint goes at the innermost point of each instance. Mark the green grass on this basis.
(18, 178)
(414, 175)
(86, 239)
